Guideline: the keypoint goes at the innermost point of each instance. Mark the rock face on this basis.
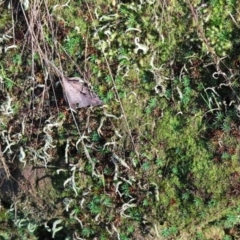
(28, 181)
(9, 187)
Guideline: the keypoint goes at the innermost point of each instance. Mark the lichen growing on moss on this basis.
(160, 158)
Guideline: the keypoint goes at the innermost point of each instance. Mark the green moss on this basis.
(161, 158)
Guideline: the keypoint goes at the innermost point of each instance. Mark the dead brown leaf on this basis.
(78, 94)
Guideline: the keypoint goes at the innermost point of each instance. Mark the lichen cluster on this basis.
(159, 159)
